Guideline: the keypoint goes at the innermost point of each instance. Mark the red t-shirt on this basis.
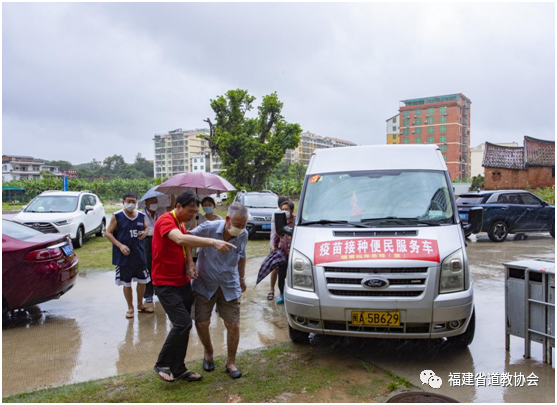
(169, 263)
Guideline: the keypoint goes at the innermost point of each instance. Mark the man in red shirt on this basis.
(172, 283)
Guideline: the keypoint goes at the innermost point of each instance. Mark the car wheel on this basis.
(78, 241)
(464, 340)
(298, 336)
(498, 231)
(552, 232)
(101, 233)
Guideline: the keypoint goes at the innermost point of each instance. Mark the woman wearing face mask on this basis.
(208, 205)
(282, 243)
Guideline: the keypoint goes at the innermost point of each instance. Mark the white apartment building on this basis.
(393, 130)
(175, 153)
(15, 167)
(310, 142)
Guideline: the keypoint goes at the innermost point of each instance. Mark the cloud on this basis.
(84, 81)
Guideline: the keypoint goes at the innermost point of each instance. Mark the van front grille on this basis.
(375, 270)
(387, 293)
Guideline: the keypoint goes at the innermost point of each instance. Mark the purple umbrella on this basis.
(202, 183)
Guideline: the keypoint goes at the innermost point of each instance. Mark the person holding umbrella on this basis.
(171, 279)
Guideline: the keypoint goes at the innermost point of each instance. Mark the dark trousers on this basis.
(148, 242)
(177, 302)
(282, 275)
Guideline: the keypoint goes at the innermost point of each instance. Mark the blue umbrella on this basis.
(162, 199)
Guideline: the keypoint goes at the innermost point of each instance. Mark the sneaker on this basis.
(281, 299)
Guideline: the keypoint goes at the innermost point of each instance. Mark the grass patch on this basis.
(12, 207)
(268, 373)
(95, 254)
(396, 381)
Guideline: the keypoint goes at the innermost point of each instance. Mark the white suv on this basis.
(77, 213)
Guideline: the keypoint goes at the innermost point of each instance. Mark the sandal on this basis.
(129, 313)
(164, 370)
(148, 300)
(271, 296)
(145, 310)
(187, 376)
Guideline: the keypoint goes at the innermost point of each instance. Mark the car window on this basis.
(92, 200)
(18, 231)
(46, 203)
(470, 199)
(515, 199)
(529, 199)
(503, 199)
(83, 203)
(261, 201)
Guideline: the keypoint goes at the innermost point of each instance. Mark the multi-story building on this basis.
(477, 156)
(16, 167)
(175, 153)
(310, 142)
(441, 120)
(393, 133)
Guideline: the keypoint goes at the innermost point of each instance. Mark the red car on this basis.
(36, 267)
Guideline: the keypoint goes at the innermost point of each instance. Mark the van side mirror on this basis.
(475, 220)
(280, 224)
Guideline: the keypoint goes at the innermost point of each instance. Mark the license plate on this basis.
(67, 249)
(266, 227)
(376, 318)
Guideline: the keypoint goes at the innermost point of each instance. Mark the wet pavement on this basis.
(85, 335)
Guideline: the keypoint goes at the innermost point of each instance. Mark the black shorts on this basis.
(125, 275)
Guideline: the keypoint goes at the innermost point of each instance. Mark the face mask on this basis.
(235, 231)
(208, 210)
(153, 207)
(287, 214)
(129, 207)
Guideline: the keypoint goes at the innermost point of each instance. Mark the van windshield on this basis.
(378, 198)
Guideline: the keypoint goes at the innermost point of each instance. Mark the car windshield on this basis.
(18, 231)
(261, 201)
(53, 204)
(469, 199)
(377, 198)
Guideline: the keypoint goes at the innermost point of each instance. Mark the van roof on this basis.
(376, 157)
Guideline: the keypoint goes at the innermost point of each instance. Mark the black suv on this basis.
(261, 206)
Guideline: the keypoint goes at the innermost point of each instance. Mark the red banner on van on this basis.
(376, 249)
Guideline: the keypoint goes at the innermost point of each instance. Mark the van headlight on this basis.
(452, 273)
(302, 272)
(64, 222)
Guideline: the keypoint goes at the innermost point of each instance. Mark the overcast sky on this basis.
(84, 81)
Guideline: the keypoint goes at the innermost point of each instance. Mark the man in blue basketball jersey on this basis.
(126, 231)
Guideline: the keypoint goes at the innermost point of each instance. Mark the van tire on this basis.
(464, 340)
(298, 336)
(498, 231)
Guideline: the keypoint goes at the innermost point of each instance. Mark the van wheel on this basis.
(498, 231)
(464, 340)
(78, 241)
(102, 231)
(298, 336)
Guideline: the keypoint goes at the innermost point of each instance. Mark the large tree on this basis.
(249, 147)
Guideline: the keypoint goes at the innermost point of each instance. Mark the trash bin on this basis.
(530, 304)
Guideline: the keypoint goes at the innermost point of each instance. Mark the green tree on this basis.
(63, 165)
(144, 166)
(249, 147)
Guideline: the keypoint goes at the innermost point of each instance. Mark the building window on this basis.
(194, 160)
(443, 148)
(394, 120)
(430, 130)
(443, 129)
(406, 140)
(431, 111)
(394, 128)
(405, 123)
(418, 139)
(445, 158)
(418, 113)
(394, 136)
(406, 114)
(418, 131)
(443, 139)
(418, 121)
(430, 139)
(442, 110)
(405, 131)
(442, 119)
(431, 120)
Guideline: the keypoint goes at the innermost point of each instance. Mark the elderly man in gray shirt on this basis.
(221, 281)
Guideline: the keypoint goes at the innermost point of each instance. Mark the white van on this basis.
(378, 249)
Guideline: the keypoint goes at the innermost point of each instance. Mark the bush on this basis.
(547, 194)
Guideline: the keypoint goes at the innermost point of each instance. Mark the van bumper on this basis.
(306, 313)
